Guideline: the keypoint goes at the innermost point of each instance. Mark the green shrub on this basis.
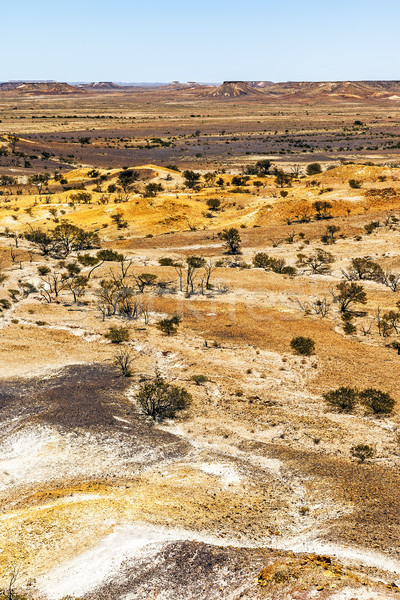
(303, 345)
(199, 379)
(362, 452)
(370, 227)
(261, 261)
(288, 270)
(343, 399)
(314, 169)
(213, 203)
(4, 303)
(166, 261)
(117, 335)
(377, 401)
(348, 327)
(43, 270)
(355, 184)
(169, 326)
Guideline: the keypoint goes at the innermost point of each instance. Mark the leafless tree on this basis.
(13, 255)
(52, 286)
(108, 297)
(9, 592)
(318, 306)
(209, 268)
(125, 265)
(179, 268)
(391, 280)
(366, 328)
(295, 170)
(193, 264)
(192, 226)
(123, 361)
(77, 285)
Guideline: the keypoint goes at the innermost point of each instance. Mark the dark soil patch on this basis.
(89, 397)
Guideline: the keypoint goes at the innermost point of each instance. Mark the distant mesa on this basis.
(260, 84)
(234, 89)
(102, 86)
(52, 88)
(178, 86)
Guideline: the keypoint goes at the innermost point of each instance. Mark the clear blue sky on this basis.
(210, 40)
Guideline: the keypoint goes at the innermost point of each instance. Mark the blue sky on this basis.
(212, 40)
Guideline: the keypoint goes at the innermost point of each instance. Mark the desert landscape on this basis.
(200, 340)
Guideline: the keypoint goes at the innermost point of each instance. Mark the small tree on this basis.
(102, 256)
(263, 166)
(318, 263)
(13, 139)
(39, 180)
(209, 268)
(376, 401)
(232, 240)
(166, 261)
(169, 326)
(118, 218)
(329, 236)
(41, 239)
(81, 197)
(151, 190)
(350, 293)
(282, 179)
(370, 227)
(191, 178)
(145, 280)
(364, 268)
(159, 399)
(127, 178)
(362, 452)
(343, 399)
(117, 335)
(303, 345)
